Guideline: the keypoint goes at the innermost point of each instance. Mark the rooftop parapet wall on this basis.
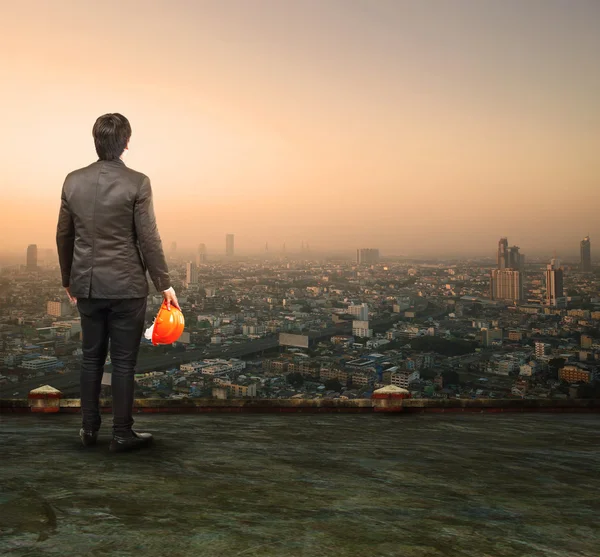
(202, 405)
(416, 405)
(193, 405)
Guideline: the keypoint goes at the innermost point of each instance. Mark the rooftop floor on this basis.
(324, 485)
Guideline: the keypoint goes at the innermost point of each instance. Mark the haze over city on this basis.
(419, 128)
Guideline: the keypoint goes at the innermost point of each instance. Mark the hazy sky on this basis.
(412, 126)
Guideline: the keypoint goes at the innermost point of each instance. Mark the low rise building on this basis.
(575, 374)
(327, 374)
(542, 349)
(404, 378)
(528, 369)
(43, 363)
(361, 378)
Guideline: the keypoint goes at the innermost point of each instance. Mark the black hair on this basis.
(111, 134)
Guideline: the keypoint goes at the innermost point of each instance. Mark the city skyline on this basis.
(506, 257)
(342, 124)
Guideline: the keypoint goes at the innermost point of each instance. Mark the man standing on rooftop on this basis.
(107, 239)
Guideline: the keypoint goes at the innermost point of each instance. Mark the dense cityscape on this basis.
(297, 326)
(300, 278)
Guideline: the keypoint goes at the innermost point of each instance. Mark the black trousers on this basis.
(121, 322)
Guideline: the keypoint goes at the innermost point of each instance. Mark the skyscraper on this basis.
(586, 255)
(191, 273)
(229, 245)
(514, 259)
(554, 284)
(304, 248)
(502, 257)
(506, 284)
(367, 256)
(32, 253)
(201, 255)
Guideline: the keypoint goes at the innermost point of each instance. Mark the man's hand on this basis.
(171, 298)
(72, 298)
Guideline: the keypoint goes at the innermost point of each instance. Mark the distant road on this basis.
(69, 382)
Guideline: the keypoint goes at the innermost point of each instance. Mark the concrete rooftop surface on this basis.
(305, 485)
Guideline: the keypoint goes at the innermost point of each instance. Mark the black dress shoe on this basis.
(88, 438)
(134, 441)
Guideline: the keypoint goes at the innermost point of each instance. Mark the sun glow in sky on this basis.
(419, 127)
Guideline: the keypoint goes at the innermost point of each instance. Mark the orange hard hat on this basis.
(168, 325)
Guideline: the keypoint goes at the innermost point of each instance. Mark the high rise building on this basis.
(47, 257)
(514, 258)
(586, 341)
(586, 255)
(211, 291)
(554, 284)
(191, 273)
(509, 257)
(489, 337)
(32, 255)
(502, 258)
(366, 256)
(361, 329)
(201, 255)
(57, 309)
(229, 249)
(506, 284)
(360, 312)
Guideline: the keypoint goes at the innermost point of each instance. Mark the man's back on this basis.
(107, 228)
(107, 238)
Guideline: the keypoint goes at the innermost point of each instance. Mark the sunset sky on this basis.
(418, 127)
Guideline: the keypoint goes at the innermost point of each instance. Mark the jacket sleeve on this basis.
(65, 239)
(148, 237)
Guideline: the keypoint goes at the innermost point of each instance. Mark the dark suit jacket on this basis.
(107, 236)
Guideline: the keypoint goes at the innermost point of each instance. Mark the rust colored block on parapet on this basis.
(389, 399)
(44, 399)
